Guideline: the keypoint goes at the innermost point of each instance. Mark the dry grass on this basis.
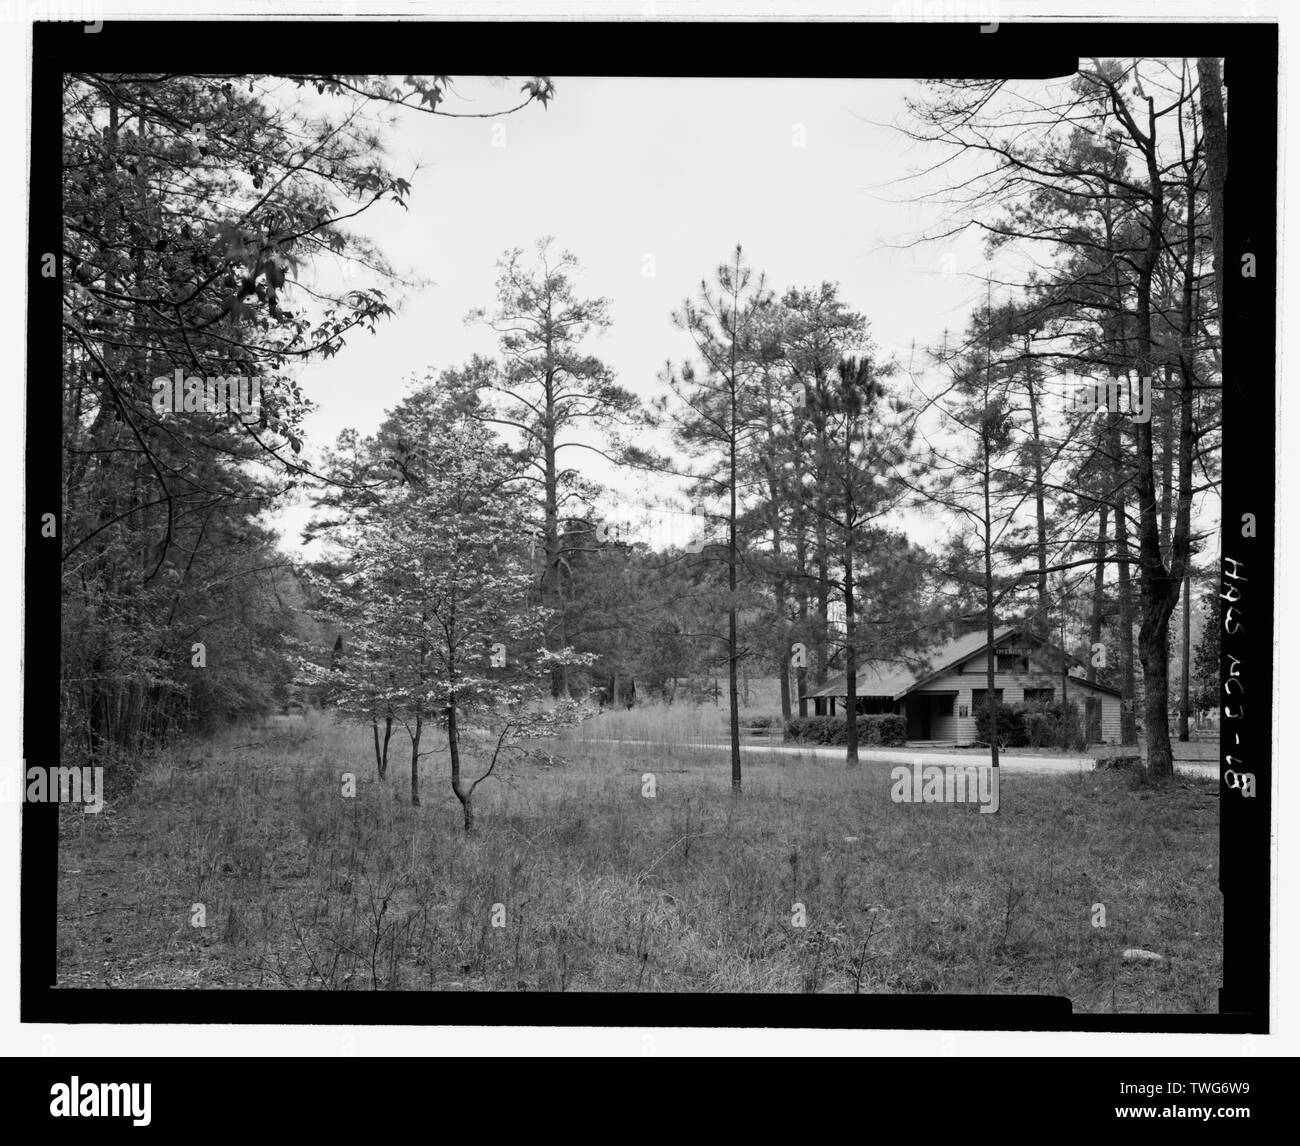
(605, 889)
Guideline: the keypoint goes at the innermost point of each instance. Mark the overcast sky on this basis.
(650, 183)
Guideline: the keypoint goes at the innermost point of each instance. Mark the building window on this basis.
(1040, 695)
(1012, 662)
(979, 696)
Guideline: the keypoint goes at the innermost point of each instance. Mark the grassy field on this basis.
(602, 888)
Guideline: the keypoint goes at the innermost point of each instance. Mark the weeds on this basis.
(603, 889)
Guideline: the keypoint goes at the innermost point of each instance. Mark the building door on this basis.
(918, 718)
(1092, 718)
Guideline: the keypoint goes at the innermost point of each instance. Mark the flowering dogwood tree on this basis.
(439, 603)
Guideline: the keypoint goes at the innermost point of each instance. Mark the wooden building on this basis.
(939, 698)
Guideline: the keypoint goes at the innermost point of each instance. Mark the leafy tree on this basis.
(199, 213)
(442, 628)
(1206, 669)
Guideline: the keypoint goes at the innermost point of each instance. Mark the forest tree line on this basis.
(470, 567)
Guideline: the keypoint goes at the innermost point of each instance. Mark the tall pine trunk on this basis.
(551, 539)
(799, 525)
(821, 553)
(781, 660)
(1166, 409)
(1183, 732)
(1040, 509)
(823, 597)
(1155, 587)
(850, 655)
(988, 602)
(1124, 589)
(850, 621)
(732, 643)
(1098, 592)
(1216, 161)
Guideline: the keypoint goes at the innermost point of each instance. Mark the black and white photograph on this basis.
(776, 530)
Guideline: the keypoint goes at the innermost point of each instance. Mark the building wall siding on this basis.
(946, 727)
(1013, 685)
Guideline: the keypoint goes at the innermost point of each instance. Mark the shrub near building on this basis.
(886, 729)
(1054, 725)
(1011, 726)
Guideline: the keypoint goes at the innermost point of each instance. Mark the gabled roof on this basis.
(895, 679)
